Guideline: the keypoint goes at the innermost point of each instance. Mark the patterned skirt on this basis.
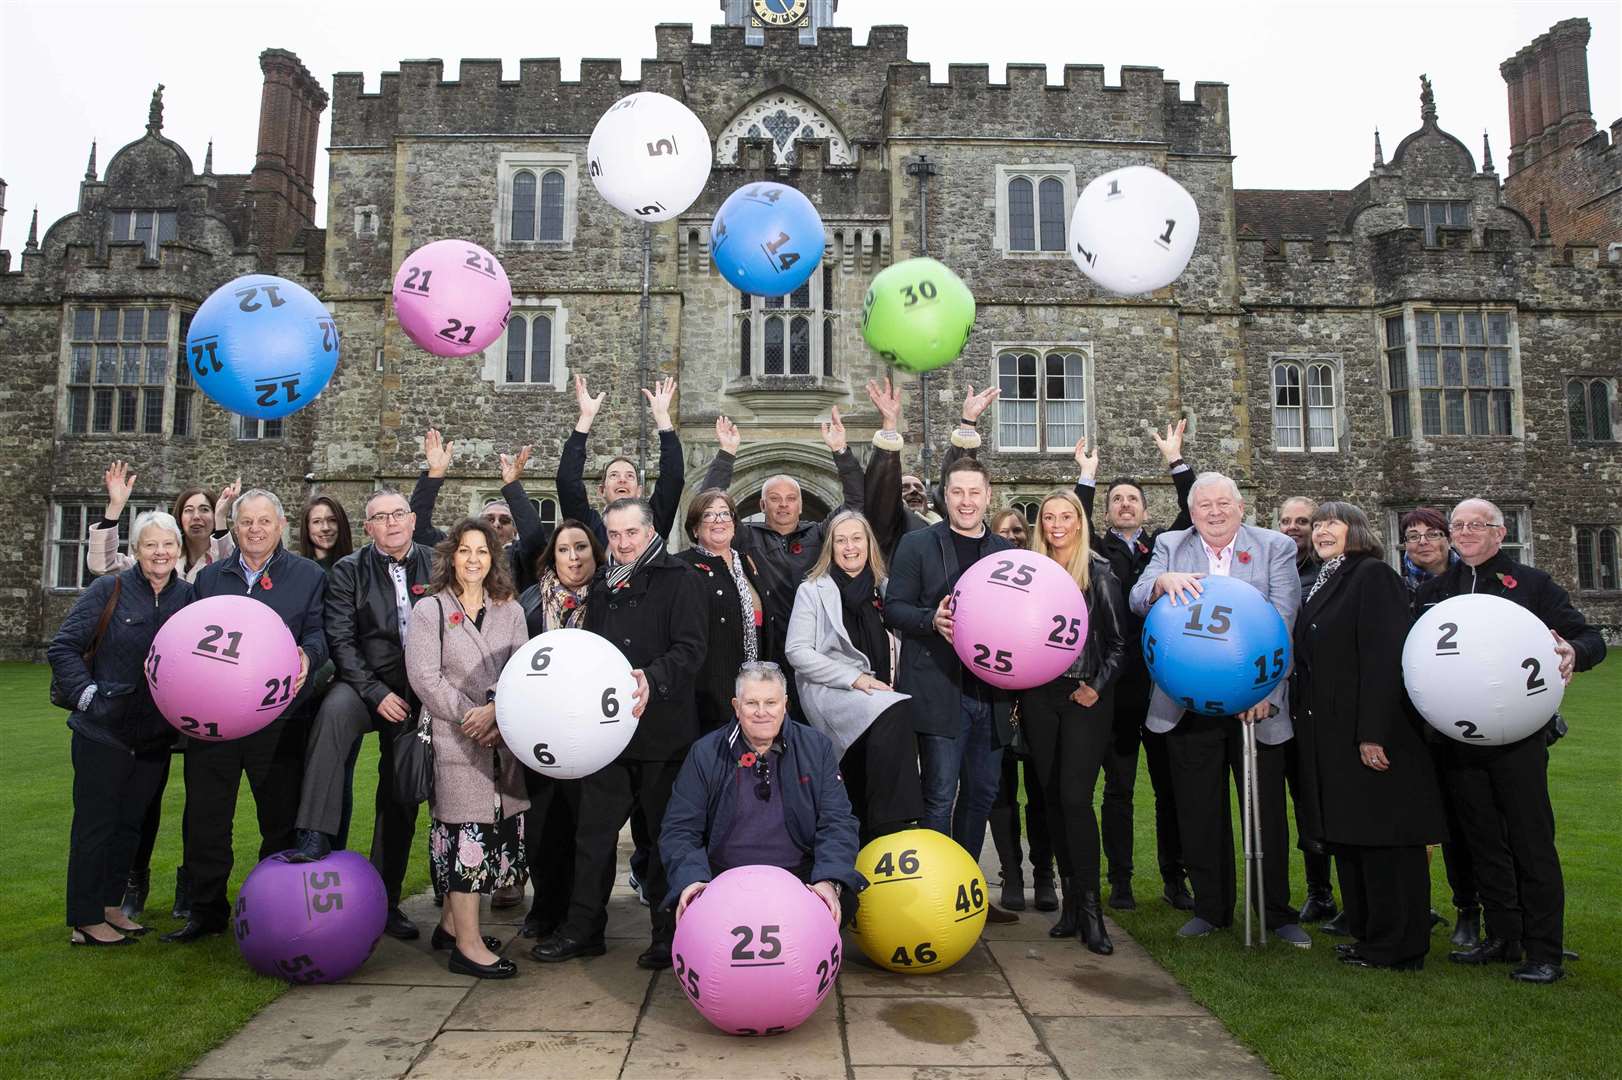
(475, 856)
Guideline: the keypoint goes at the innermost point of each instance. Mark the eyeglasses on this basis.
(715, 517)
(392, 516)
(1416, 537)
(1473, 526)
(763, 783)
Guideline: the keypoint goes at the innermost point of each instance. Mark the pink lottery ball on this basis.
(1019, 619)
(452, 297)
(222, 668)
(757, 951)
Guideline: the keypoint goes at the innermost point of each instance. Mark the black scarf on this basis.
(864, 617)
(620, 573)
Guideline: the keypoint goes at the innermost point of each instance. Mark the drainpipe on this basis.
(922, 168)
(646, 306)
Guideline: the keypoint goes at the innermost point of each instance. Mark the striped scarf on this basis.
(620, 574)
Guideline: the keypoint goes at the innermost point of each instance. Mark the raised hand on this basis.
(726, 433)
(1087, 461)
(1171, 443)
(975, 404)
(222, 505)
(436, 450)
(833, 432)
(887, 400)
(659, 399)
(588, 404)
(512, 465)
(120, 485)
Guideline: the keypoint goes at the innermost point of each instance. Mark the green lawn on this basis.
(147, 1010)
(150, 1010)
(1312, 1018)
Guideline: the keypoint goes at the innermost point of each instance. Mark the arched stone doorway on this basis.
(809, 463)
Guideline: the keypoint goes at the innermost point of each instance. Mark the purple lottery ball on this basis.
(310, 922)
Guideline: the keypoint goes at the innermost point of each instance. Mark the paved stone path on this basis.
(1020, 1005)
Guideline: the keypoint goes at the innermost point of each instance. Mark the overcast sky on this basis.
(1309, 80)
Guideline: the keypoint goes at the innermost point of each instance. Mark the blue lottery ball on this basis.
(1222, 653)
(262, 346)
(766, 239)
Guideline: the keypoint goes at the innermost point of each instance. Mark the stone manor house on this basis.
(1434, 330)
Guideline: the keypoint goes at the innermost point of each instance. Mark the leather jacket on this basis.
(1104, 656)
(363, 624)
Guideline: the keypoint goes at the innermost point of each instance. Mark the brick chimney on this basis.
(1548, 93)
(281, 189)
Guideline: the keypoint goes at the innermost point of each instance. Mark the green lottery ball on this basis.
(918, 315)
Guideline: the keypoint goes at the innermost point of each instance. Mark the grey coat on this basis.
(826, 662)
(450, 680)
(1270, 568)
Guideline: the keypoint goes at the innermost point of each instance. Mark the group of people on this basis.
(798, 694)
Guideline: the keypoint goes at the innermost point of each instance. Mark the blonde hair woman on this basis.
(843, 661)
(1070, 721)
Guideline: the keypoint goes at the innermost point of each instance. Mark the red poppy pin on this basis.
(1143, 549)
(1508, 581)
(265, 582)
(1244, 556)
(795, 548)
(455, 617)
(570, 603)
(747, 761)
(418, 590)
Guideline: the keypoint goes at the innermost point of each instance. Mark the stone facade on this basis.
(1305, 278)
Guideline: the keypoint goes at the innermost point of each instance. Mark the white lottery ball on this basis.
(1133, 230)
(1482, 670)
(649, 156)
(563, 703)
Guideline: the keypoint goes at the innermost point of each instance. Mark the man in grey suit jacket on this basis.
(1204, 749)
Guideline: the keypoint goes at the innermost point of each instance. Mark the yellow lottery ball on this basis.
(925, 904)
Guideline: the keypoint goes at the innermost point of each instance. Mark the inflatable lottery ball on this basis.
(1482, 669)
(1133, 230)
(925, 903)
(563, 703)
(649, 156)
(1018, 619)
(756, 952)
(223, 667)
(1220, 654)
(918, 315)
(452, 297)
(310, 922)
(262, 346)
(766, 239)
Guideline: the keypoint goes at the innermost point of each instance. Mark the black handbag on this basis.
(413, 748)
(60, 696)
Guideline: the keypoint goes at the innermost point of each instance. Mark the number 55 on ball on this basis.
(563, 703)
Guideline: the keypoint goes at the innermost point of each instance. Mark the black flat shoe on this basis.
(538, 928)
(501, 969)
(1318, 908)
(1491, 951)
(1335, 927)
(132, 932)
(1044, 897)
(996, 916)
(655, 957)
(1013, 892)
(400, 926)
(313, 846)
(1178, 897)
(83, 938)
(192, 931)
(443, 939)
(1121, 898)
(558, 948)
(1534, 972)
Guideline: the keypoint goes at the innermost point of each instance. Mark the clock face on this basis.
(779, 12)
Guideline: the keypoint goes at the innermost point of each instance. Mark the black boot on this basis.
(1467, 931)
(182, 908)
(135, 890)
(1013, 890)
(1046, 898)
(1070, 902)
(1092, 930)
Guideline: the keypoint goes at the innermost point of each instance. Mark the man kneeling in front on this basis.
(761, 792)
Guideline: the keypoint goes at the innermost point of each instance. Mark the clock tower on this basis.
(762, 17)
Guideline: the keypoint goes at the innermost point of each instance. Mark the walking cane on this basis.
(1251, 823)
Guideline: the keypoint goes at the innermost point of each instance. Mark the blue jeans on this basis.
(960, 777)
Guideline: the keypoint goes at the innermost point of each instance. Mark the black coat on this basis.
(725, 652)
(660, 621)
(533, 533)
(297, 593)
(363, 625)
(890, 517)
(925, 569)
(1127, 560)
(1347, 689)
(122, 713)
(1104, 655)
